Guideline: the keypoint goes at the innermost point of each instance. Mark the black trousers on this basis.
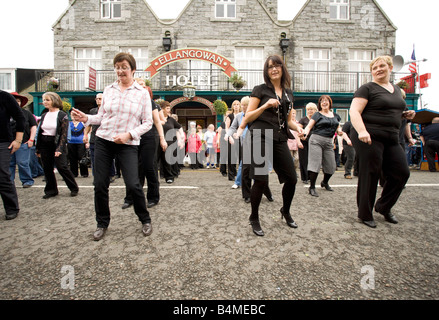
(75, 154)
(282, 163)
(7, 187)
(148, 169)
(431, 147)
(105, 152)
(303, 161)
(383, 155)
(47, 149)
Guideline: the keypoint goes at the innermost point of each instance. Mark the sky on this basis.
(27, 26)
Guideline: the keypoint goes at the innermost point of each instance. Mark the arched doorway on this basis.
(197, 109)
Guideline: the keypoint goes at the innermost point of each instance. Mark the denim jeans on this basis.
(21, 158)
(35, 166)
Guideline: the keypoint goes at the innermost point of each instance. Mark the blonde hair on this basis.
(245, 100)
(240, 107)
(311, 105)
(56, 99)
(386, 59)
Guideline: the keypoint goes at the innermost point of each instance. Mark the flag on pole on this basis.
(413, 67)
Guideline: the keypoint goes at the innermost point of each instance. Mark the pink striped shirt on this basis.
(128, 111)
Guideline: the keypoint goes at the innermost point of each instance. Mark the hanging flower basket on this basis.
(52, 84)
(237, 81)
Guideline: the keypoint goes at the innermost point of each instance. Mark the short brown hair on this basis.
(125, 56)
(320, 100)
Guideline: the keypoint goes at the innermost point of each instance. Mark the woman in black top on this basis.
(171, 130)
(269, 117)
(376, 112)
(324, 124)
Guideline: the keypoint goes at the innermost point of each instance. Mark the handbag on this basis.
(187, 160)
(85, 161)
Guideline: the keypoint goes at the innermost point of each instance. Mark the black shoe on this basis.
(152, 204)
(126, 205)
(73, 193)
(47, 196)
(313, 192)
(270, 199)
(257, 230)
(288, 219)
(390, 218)
(11, 216)
(326, 186)
(247, 200)
(369, 223)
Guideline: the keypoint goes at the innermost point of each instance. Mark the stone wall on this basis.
(255, 25)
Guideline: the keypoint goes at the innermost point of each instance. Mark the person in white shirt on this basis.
(125, 115)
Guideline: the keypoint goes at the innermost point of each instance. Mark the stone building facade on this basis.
(329, 41)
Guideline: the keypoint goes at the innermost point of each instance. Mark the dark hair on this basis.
(125, 56)
(164, 104)
(286, 78)
(320, 100)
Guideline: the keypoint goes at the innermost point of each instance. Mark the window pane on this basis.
(117, 12)
(105, 10)
(333, 12)
(231, 11)
(343, 13)
(220, 11)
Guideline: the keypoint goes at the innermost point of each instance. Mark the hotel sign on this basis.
(190, 54)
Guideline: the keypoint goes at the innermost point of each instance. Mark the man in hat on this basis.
(22, 156)
(8, 145)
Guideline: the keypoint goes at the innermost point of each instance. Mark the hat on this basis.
(23, 99)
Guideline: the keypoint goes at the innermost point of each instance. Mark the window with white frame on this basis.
(339, 9)
(316, 63)
(202, 74)
(140, 54)
(85, 57)
(249, 61)
(225, 9)
(359, 61)
(6, 81)
(111, 9)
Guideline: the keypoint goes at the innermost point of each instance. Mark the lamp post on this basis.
(189, 90)
(167, 41)
(284, 43)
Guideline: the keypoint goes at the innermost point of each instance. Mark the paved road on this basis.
(203, 248)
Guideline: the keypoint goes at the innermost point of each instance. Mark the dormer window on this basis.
(111, 9)
(339, 9)
(225, 9)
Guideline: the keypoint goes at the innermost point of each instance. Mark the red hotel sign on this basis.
(190, 54)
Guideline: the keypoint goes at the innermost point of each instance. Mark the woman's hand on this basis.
(272, 103)
(364, 136)
(57, 154)
(410, 114)
(122, 138)
(78, 115)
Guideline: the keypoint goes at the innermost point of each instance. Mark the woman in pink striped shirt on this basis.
(125, 115)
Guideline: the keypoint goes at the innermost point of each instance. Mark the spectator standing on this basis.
(9, 144)
(22, 156)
